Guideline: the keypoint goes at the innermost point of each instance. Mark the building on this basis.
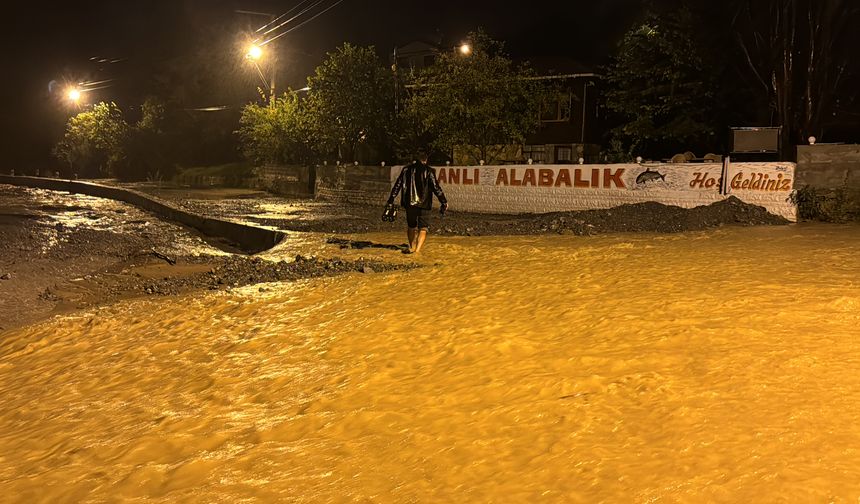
(415, 55)
(572, 126)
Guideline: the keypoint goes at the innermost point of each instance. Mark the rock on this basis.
(6, 276)
(366, 269)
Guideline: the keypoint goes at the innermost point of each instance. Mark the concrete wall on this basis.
(513, 189)
(249, 239)
(204, 181)
(353, 184)
(831, 167)
(290, 180)
(828, 166)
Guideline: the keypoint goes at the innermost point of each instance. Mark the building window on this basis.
(536, 153)
(563, 154)
(557, 110)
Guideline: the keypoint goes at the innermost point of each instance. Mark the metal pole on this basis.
(274, 68)
(584, 100)
(396, 91)
(271, 82)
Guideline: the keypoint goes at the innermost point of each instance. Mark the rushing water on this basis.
(715, 366)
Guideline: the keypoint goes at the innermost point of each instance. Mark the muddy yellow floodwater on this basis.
(715, 366)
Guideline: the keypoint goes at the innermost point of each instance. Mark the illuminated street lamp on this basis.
(74, 95)
(254, 53)
(465, 49)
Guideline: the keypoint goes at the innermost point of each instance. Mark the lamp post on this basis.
(255, 54)
(584, 101)
(74, 95)
(394, 69)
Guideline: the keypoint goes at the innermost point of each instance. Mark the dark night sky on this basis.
(194, 39)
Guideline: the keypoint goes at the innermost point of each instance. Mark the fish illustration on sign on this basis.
(649, 175)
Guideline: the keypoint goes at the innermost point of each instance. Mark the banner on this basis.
(556, 188)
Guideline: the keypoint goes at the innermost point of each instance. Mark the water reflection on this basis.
(708, 366)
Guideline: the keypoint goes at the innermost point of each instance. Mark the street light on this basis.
(465, 49)
(73, 94)
(254, 53)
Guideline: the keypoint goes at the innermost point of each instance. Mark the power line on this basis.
(270, 30)
(302, 23)
(273, 21)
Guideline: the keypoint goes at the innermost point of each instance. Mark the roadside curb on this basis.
(249, 239)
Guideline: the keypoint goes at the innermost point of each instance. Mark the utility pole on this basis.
(272, 62)
(396, 83)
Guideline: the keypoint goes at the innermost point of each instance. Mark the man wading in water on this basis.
(418, 184)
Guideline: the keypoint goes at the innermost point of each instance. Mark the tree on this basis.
(148, 149)
(481, 102)
(278, 132)
(93, 141)
(350, 101)
(797, 53)
(660, 87)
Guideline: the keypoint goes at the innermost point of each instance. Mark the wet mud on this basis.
(61, 252)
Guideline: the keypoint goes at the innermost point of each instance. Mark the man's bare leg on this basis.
(422, 235)
(410, 233)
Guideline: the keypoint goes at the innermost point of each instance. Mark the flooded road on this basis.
(711, 366)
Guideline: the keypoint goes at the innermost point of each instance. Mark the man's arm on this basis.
(437, 189)
(398, 185)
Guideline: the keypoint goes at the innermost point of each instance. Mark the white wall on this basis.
(553, 188)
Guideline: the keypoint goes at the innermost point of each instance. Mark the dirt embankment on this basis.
(331, 217)
(640, 217)
(61, 252)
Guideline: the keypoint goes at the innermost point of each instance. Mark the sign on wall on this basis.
(764, 184)
(554, 188)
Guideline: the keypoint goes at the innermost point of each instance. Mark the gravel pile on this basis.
(237, 271)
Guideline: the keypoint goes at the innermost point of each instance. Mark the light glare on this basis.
(255, 52)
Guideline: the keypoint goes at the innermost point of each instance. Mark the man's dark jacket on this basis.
(425, 186)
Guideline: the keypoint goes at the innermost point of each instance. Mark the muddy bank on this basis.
(330, 217)
(62, 252)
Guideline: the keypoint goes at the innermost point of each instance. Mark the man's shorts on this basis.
(417, 217)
